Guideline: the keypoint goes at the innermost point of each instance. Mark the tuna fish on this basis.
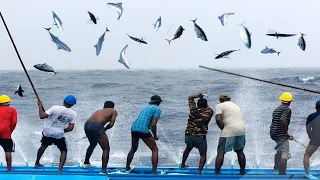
(19, 91)
(302, 42)
(269, 51)
(123, 59)
(98, 46)
(177, 34)
(44, 67)
(138, 40)
(93, 18)
(58, 42)
(57, 21)
(200, 33)
(225, 54)
(157, 25)
(118, 7)
(223, 17)
(277, 35)
(245, 36)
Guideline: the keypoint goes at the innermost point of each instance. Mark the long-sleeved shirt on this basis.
(8, 121)
(198, 120)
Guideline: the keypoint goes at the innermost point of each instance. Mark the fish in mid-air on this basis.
(269, 51)
(225, 54)
(118, 7)
(58, 42)
(245, 36)
(177, 34)
(123, 59)
(157, 25)
(93, 18)
(277, 35)
(98, 46)
(45, 67)
(200, 33)
(19, 91)
(57, 21)
(302, 43)
(137, 39)
(223, 17)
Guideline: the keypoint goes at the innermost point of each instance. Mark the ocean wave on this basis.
(299, 79)
(109, 85)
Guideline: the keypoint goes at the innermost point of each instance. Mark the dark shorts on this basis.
(235, 143)
(60, 143)
(93, 130)
(314, 143)
(7, 145)
(136, 134)
(199, 142)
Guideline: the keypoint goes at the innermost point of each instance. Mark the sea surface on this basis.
(256, 99)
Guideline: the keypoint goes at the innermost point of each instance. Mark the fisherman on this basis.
(95, 130)
(8, 121)
(59, 120)
(279, 132)
(147, 118)
(229, 120)
(313, 130)
(197, 128)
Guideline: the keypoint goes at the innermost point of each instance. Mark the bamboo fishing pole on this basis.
(19, 57)
(270, 82)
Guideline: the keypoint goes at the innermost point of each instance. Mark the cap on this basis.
(224, 95)
(70, 99)
(155, 99)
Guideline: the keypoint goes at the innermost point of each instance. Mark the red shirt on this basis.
(8, 121)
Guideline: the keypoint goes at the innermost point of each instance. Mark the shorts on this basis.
(199, 142)
(234, 143)
(314, 143)
(137, 134)
(93, 130)
(283, 148)
(60, 143)
(7, 144)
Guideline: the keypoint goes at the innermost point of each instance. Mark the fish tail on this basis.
(194, 20)
(48, 29)
(302, 34)
(54, 73)
(169, 41)
(16, 92)
(279, 52)
(107, 29)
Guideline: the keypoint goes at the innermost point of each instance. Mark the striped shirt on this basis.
(276, 130)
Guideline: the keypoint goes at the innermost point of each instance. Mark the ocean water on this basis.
(257, 100)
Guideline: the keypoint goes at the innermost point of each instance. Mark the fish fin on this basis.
(279, 52)
(194, 20)
(16, 92)
(22, 90)
(169, 41)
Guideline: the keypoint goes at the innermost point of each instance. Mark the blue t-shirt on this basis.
(142, 123)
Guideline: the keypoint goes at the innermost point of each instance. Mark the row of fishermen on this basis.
(61, 119)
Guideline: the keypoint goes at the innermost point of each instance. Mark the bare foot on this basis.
(36, 165)
(182, 167)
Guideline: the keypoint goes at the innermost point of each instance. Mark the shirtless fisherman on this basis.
(95, 130)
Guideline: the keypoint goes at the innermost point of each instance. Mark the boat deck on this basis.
(168, 173)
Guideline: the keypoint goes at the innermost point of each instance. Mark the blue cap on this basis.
(318, 103)
(70, 99)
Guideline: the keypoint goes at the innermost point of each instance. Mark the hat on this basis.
(70, 99)
(224, 95)
(318, 103)
(155, 99)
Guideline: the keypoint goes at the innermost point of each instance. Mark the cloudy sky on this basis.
(26, 20)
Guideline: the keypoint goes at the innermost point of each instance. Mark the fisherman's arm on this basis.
(42, 113)
(112, 121)
(283, 122)
(219, 119)
(69, 128)
(13, 120)
(206, 116)
(154, 127)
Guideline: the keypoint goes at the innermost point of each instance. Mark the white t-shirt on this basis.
(59, 119)
(231, 116)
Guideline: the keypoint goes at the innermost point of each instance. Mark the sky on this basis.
(26, 19)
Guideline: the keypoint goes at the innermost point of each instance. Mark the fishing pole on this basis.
(248, 77)
(19, 57)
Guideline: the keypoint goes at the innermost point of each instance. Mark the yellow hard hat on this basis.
(4, 99)
(286, 96)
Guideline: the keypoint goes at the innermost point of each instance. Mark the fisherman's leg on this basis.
(62, 146)
(187, 151)
(134, 147)
(202, 147)
(9, 161)
(93, 140)
(284, 158)
(220, 154)
(151, 143)
(308, 153)
(89, 152)
(39, 155)
(277, 158)
(239, 145)
(104, 144)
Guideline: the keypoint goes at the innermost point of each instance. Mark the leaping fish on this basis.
(44, 67)
(177, 34)
(157, 25)
(123, 59)
(58, 42)
(98, 46)
(93, 18)
(269, 51)
(57, 21)
(118, 7)
(225, 54)
(245, 36)
(19, 91)
(138, 40)
(199, 31)
(277, 35)
(302, 43)
(223, 17)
